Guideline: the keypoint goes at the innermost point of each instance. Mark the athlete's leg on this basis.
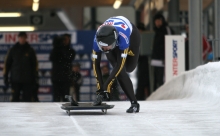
(123, 78)
(131, 63)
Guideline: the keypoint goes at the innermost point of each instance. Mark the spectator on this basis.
(21, 63)
(161, 29)
(77, 81)
(143, 84)
(61, 57)
(207, 49)
(114, 94)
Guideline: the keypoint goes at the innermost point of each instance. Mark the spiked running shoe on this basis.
(98, 100)
(134, 108)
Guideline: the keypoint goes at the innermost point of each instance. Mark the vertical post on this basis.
(195, 33)
(173, 18)
(93, 18)
(217, 28)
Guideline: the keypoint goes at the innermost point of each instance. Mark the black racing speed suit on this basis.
(123, 61)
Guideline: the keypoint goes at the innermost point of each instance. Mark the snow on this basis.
(187, 105)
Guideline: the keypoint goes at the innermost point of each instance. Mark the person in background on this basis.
(114, 95)
(77, 80)
(61, 57)
(143, 77)
(21, 62)
(161, 29)
(207, 48)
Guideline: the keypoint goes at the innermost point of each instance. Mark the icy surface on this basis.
(186, 106)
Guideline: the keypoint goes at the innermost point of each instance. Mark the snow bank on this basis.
(201, 83)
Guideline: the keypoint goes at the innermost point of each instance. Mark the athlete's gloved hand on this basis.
(106, 95)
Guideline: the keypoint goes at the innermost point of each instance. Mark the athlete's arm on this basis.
(96, 59)
(121, 58)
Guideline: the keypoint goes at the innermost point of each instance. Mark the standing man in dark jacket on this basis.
(161, 29)
(21, 63)
(61, 56)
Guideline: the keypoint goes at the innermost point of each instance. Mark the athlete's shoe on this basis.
(98, 100)
(100, 97)
(134, 108)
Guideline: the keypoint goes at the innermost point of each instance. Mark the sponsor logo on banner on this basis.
(45, 81)
(45, 65)
(42, 47)
(44, 90)
(175, 58)
(36, 37)
(78, 47)
(43, 57)
(5, 48)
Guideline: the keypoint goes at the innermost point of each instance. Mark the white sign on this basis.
(174, 56)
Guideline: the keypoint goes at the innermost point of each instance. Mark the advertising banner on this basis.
(81, 42)
(174, 56)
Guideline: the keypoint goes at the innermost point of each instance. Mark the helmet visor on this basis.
(106, 47)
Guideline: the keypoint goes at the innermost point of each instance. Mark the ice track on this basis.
(188, 105)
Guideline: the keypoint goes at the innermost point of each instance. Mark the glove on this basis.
(106, 95)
